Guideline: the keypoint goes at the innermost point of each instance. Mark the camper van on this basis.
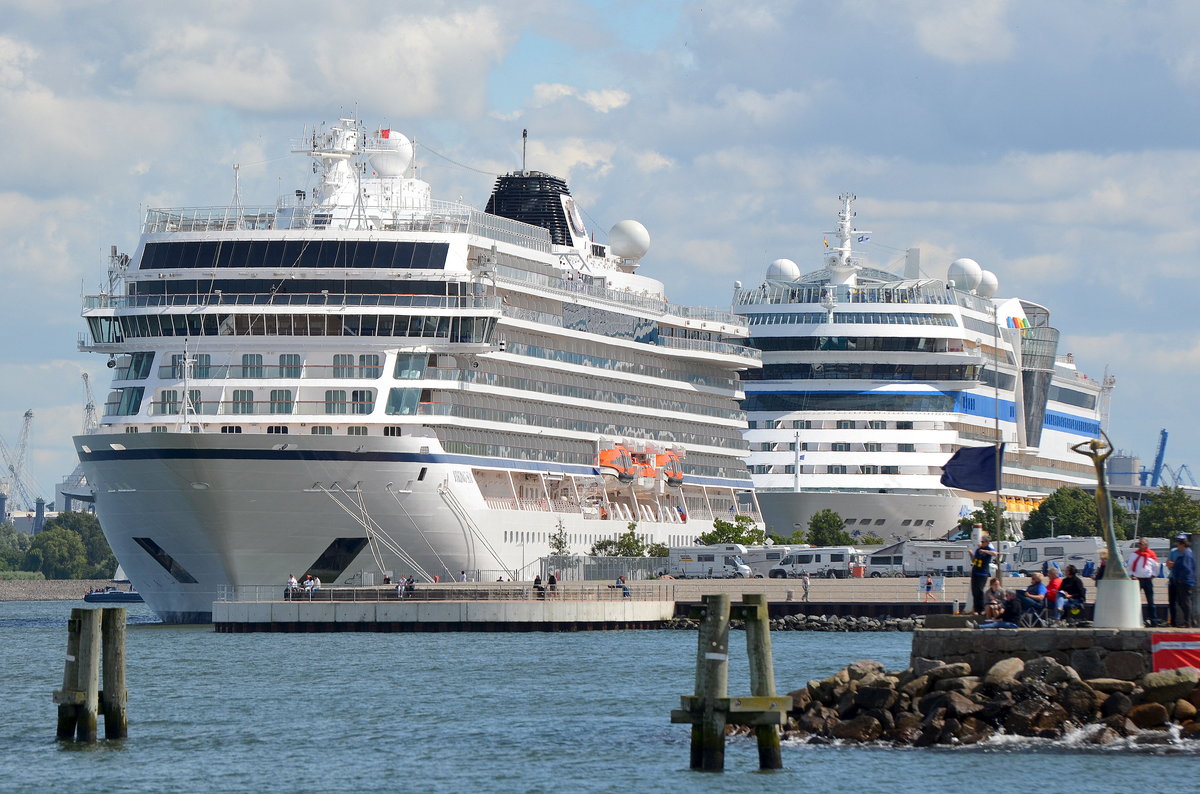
(824, 561)
(943, 558)
(1034, 554)
(762, 559)
(723, 561)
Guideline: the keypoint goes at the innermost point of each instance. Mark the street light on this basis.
(1051, 524)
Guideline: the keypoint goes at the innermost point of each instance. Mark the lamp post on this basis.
(1051, 524)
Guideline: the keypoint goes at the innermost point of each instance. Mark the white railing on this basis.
(452, 591)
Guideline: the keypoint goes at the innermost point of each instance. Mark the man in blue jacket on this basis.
(1182, 563)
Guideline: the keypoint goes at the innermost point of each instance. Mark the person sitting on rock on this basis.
(993, 599)
(1010, 613)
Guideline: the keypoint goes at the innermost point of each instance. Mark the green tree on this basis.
(797, 538)
(1167, 513)
(1075, 513)
(827, 528)
(58, 553)
(741, 530)
(101, 561)
(985, 515)
(658, 550)
(13, 546)
(871, 540)
(559, 546)
(626, 545)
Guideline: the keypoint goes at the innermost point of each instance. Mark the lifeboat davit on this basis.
(671, 467)
(618, 463)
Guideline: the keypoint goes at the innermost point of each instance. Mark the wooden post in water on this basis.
(712, 684)
(114, 699)
(762, 674)
(87, 673)
(66, 698)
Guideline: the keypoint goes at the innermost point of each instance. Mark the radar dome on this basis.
(391, 153)
(988, 284)
(629, 240)
(965, 274)
(783, 270)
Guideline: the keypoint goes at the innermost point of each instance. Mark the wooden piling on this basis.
(87, 680)
(114, 699)
(66, 698)
(762, 674)
(712, 684)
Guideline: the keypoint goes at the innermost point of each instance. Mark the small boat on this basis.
(113, 595)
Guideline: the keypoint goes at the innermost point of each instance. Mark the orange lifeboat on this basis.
(671, 467)
(617, 462)
(643, 465)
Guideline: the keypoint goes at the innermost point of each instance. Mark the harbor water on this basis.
(494, 712)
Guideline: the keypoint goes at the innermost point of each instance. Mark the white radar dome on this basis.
(783, 270)
(629, 240)
(391, 153)
(988, 284)
(965, 274)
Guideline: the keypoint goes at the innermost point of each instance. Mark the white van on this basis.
(762, 559)
(723, 561)
(1034, 553)
(940, 558)
(829, 562)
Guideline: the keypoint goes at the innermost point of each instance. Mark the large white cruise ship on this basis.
(871, 381)
(365, 379)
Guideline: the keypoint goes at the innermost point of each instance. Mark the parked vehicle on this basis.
(1033, 554)
(709, 562)
(762, 559)
(822, 561)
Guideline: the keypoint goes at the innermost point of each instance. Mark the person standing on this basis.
(981, 562)
(928, 587)
(806, 582)
(1143, 566)
(1182, 580)
(552, 585)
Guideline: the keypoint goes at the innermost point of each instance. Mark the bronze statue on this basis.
(1099, 451)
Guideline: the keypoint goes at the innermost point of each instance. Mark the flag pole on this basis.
(996, 429)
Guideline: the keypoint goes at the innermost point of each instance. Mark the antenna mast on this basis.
(524, 141)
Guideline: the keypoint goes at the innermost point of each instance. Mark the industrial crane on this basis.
(16, 482)
(90, 421)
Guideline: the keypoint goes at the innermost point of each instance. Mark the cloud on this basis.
(601, 101)
(15, 57)
(965, 31)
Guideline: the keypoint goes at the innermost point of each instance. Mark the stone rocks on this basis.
(1170, 685)
(933, 703)
(1148, 715)
(1005, 670)
(1127, 665)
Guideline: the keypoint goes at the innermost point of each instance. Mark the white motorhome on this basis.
(941, 558)
(762, 559)
(1033, 554)
(822, 561)
(723, 561)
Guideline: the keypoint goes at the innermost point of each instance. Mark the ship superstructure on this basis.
(871, 381)
(364, 378)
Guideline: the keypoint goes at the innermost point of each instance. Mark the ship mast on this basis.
(840, 261)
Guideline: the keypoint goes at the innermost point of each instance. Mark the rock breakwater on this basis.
(820, 623)
(934, 703)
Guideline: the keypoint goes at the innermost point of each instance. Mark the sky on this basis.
(1054, 143)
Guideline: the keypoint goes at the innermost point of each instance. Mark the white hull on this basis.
(236, 510)
(891, 516)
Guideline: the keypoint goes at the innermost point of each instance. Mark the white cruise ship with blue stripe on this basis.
(361, 379)
(872, 380)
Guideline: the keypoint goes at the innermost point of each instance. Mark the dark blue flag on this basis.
(972, 469)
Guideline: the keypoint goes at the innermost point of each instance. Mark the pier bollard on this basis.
(712, 684)
(762, 674)
(87, 678)
(114, 698)
(66, 698)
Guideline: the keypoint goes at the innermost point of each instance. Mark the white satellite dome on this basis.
(629, 240)
(391, 153)
(988, 284)
(965, 274)
(783, 270)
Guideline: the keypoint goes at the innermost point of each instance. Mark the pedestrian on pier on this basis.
(552, 584)
(1143, 566)
(807, 583)
(1182, 581)
(929, 587)
(981, 563)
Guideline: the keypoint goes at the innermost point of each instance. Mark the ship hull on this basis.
(197, 517)
(892, 516)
